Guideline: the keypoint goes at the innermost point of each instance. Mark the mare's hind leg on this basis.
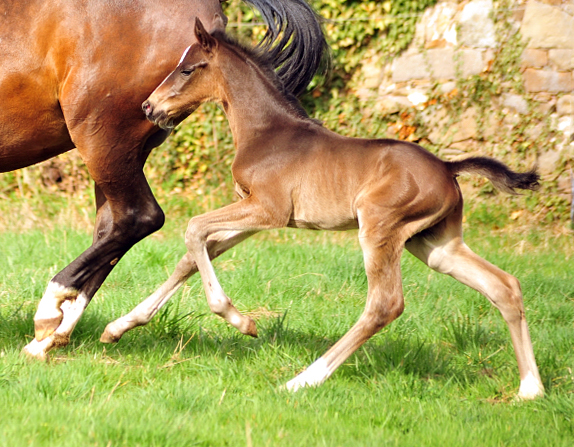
(443, 249)
(217, 244)
(127, 213)
(382, 253)
(67, 312)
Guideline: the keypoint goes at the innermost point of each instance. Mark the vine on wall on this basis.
(195, 161)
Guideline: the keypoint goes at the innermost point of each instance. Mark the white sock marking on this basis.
(314, 375)
(530, 387)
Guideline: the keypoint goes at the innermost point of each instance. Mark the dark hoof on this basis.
(251, 329)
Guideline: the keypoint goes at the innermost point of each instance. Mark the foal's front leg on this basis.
(244, 216)
(217, 244)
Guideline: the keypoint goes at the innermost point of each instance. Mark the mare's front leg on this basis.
(246, 215)
(217, 244)
(127, 212)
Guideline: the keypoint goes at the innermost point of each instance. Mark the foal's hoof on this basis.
(108, 336)
(45, 327)
(251, 329)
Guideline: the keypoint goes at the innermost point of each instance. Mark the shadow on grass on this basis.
(205, 336)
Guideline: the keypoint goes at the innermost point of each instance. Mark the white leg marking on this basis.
(38, 349)
(530, 388)
(72, 311)
(314, 375)
(141, 314)
(55, 295)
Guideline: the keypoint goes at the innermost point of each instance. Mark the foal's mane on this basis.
(262, 60)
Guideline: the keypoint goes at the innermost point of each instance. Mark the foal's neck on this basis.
(252, 102)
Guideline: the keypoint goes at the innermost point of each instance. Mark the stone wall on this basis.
(458, 39)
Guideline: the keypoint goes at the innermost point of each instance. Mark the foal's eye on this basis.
(187, 71)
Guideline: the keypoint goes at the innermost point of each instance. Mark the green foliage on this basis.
(195, 161)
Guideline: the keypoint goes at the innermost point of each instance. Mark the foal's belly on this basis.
(317, 214)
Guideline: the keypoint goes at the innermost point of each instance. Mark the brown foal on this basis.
(291, 172)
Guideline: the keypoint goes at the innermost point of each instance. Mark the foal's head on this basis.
(193, 82)
(199, 77)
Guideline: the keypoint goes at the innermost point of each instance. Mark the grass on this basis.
(443, 374)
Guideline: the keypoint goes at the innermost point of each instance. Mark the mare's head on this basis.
(192, 83)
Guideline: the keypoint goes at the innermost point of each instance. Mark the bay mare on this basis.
(74, 74)
(291, 172)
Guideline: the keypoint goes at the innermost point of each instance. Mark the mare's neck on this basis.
(253, 105)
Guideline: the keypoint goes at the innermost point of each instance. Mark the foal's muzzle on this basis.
(159, 119)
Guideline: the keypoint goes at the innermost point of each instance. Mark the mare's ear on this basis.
(205, 39)
(219, 22)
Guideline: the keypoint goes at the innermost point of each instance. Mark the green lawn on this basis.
(443, 374)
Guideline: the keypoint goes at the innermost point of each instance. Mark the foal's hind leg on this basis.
(385, 302)
(442, 249)
(217, 244)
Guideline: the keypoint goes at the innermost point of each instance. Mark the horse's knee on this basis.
(151, 220)
(219, 305)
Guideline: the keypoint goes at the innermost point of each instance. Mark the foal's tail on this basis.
(501, 176)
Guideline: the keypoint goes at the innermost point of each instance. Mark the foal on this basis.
(291, 172)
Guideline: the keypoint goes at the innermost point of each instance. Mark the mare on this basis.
(289, 171)
(74, 75)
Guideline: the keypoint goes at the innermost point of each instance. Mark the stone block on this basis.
(562, 59)
(547, 81)
(472, 62)
(390, 104)
(476, 26)
(409, 66)
(515, 103)
(548, 162)
(437, 26)
(438, 63)
(441, 63)
(547, 26)
(565, 105)
(534, 58)
(443, 133)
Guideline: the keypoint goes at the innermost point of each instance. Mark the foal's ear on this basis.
(205, 39)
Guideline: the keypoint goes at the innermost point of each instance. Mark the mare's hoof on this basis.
(45, 327)
(34, 351)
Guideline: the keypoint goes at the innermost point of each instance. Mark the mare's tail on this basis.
(501, 176)
(294, 41)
